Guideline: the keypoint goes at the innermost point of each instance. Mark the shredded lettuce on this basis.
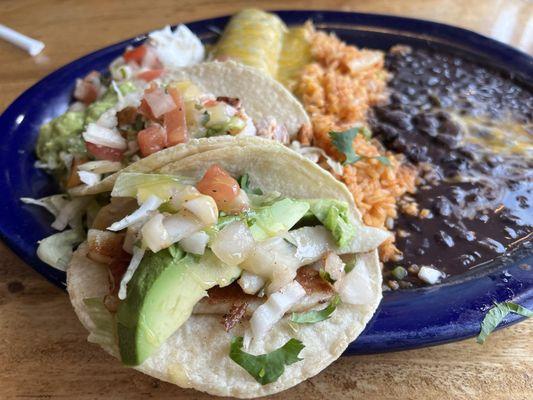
(53, 204)
(104, 329)
(334, 215)
(266, 368)
(134, 184)
(56, 250)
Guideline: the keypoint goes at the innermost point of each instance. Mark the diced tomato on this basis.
(150, 74)
(136, 54)
(104, 152)
(175, 120)
(220, 185)
(152, 139)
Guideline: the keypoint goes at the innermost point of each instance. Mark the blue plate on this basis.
(405, 319)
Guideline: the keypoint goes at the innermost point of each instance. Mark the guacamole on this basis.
(62, 135)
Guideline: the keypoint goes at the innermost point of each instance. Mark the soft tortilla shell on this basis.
(261, 95)
(273, 167)
(196, 355)
(155, 161)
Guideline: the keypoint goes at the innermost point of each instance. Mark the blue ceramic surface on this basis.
(405, 319)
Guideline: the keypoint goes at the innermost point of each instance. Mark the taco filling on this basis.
(221, 245)
(132, 120)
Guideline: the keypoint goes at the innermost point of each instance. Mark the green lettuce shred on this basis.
(334, 215)
(104, 329)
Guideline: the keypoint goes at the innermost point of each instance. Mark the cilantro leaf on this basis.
(384, 160)
(497, 314)
(266, 368)
(343, 141)
(244, 183)
(325, 275)
(315, 316)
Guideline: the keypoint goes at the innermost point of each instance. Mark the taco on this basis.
(204, 100)
(238, 270)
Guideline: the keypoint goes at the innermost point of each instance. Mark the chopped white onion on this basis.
(89, 178)
(104, 137)
(204, 208)
(251, 283)
(108, 119)
(181, 225)
(429, 275)
(138, 254)
(154, 234)
(179, 198)
(152, 203)
(159, 102)
(355, 287)
(100, 166)
(196, 243)
(272, 310)
(239, 204)
(233, 243)
(334, 266)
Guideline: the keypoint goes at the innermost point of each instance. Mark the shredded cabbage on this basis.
(138, 254)
(56, 250)
(71, 213)
(53, 204)
(152, 203)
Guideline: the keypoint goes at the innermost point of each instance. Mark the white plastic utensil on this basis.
(32, 46)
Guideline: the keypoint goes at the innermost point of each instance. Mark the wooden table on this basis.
(43, 348)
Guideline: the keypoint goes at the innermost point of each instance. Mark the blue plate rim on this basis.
(374, 339)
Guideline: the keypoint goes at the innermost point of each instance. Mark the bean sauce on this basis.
(469, 130)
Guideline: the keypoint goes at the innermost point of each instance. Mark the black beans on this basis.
(443, 206)
(431, 91)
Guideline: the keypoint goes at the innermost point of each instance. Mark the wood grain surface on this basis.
(43, 348)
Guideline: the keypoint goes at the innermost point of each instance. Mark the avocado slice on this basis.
(161, 296)
(277, 218)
